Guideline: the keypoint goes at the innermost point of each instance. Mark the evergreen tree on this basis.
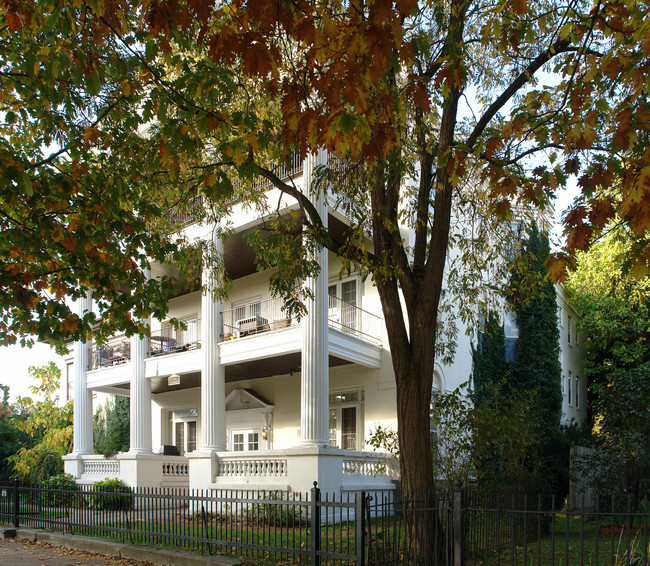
(489, 366)
(532, 298)
(118, 425)
(537, 368)
(112, 426)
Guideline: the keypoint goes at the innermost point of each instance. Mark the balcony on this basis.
(193, 209)
(265, 316)
(169, 340)
(113, 353)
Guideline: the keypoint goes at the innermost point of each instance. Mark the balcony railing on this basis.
(169, 340)
(256, 317)
(192, 211)
(113, 353)
(264, 316)
(350, 319)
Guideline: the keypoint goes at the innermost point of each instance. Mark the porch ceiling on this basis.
(278, 365)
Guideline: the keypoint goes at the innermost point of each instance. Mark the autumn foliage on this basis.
(117, 110)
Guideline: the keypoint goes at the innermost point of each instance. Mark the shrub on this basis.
(54, 486)
(111, 495)
(274, 515)
(48, 464)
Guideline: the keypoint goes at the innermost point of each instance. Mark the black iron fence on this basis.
(454, 528)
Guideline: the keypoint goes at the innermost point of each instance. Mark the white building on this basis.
(251, 397)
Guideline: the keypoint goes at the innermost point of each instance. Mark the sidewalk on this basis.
(22, 552)
(105, 552)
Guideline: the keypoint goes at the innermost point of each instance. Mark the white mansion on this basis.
(246, 397)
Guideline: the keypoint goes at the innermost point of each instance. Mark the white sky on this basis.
(15, 361)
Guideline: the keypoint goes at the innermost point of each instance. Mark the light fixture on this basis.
(265, 433)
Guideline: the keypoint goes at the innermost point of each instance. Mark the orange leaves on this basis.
(259, 60)
(70, 324)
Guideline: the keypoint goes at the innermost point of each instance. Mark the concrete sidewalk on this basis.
(152, 554)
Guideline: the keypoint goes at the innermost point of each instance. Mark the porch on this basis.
(287, 470)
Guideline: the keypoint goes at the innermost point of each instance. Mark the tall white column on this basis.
(83, 409)
(140, 402)
(314, 377)
(213, 375)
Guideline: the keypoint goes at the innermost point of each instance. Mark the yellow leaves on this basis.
(581, 136)
(251, 140)
(70, 324)
(128, 88)
(92, 134)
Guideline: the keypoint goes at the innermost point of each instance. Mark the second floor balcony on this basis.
(264, 316)
(252, 333)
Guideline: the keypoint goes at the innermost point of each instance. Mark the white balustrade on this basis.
(104, 468)
(175, 469)
(369, 466)
(273, 467)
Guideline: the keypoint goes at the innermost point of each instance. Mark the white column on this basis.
(314, 377)
(83, 405)
(140, 402)
(213, 375)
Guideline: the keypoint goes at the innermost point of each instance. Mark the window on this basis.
(563, 384)
(184, 429)
(69, 390)
(245, 440)
(345, 420)
(577, 392)
(568, 330)
(511, 334)
(342, 304)
(569, 380)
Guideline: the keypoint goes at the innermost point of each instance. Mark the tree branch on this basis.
(560, 46)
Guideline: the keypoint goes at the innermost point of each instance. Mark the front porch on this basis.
(288, 470)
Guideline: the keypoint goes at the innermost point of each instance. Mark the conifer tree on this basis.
(532, 298)
(489, 366)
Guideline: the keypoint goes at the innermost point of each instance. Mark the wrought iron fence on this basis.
(456, 527)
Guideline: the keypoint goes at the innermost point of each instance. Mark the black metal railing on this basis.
(443, 527)
(194, 208)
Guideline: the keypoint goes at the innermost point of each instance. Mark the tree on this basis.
(10, 437)
(614, 312)
(112, 425)
(532, 298)
(537, 367)
(412, 96)
(47, 426)
(489, 366)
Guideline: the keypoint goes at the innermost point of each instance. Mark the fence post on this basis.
(16, 505)
(315, 525)
(360, 527)
(459, 558)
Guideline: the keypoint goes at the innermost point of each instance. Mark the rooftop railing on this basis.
(193, 210)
